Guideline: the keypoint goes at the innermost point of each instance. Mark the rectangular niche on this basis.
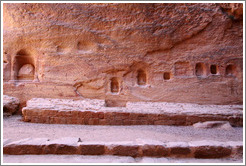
(141, 77)
(182, 69)
(114, 85)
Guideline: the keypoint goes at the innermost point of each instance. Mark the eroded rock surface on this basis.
(10, 105)
(189, 53)
(213, 124)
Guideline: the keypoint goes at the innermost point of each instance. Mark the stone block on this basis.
(81, 121)
(22, 149)
(102, 122)
(63, 120)
(94, 115)
(154, 150)
(108, 115)
(74, 120)
(152, 117)
(180, 150)
(66, 149)
(81, 114)
(27, 118)
(69, 120)
(160, 122)
(93, 121)
(127, 122)
(101, 115)
(125, 150)
(212, 152)
(75, 113)
(49, 149)
(91, 149)
(87, 114)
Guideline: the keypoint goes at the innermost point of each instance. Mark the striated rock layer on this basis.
(188, 53)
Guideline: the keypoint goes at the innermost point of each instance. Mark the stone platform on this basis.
(95, 112)
(140, 148)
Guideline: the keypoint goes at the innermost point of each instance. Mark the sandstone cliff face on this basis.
(190, 53)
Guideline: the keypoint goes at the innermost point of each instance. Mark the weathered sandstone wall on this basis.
(190, 53)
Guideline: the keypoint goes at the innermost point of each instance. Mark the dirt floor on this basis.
(15, 129)
(105, 159)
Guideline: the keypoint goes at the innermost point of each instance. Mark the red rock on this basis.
(91, 149)
(101, 115)
(50, 149)
(154, 150)
(125, 150)
(66, 149)
(22, 149)
(180, 150)
(175, 52)
(212, 152)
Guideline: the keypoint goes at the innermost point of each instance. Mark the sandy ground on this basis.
(15, 129)
(105, 159)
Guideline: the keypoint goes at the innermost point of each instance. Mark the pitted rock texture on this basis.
(189, 53)
(10, 105)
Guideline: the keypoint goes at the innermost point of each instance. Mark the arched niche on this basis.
(23, 66)
(26, 72)
(230, 70)
(141, 77)
(200, 69)
(114, 85)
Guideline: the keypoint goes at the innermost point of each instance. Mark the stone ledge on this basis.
(119, 118)
(94, 112)
(70, 146)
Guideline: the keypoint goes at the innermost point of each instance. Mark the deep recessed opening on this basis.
(4, 61)
(141, 77)
(26, 72)
(167, 76)
(230, 70)
(23, 66)
(58, 49)
(5, 109)
(79, 46)
(114, 85)
(200, 69)
(213, 69)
